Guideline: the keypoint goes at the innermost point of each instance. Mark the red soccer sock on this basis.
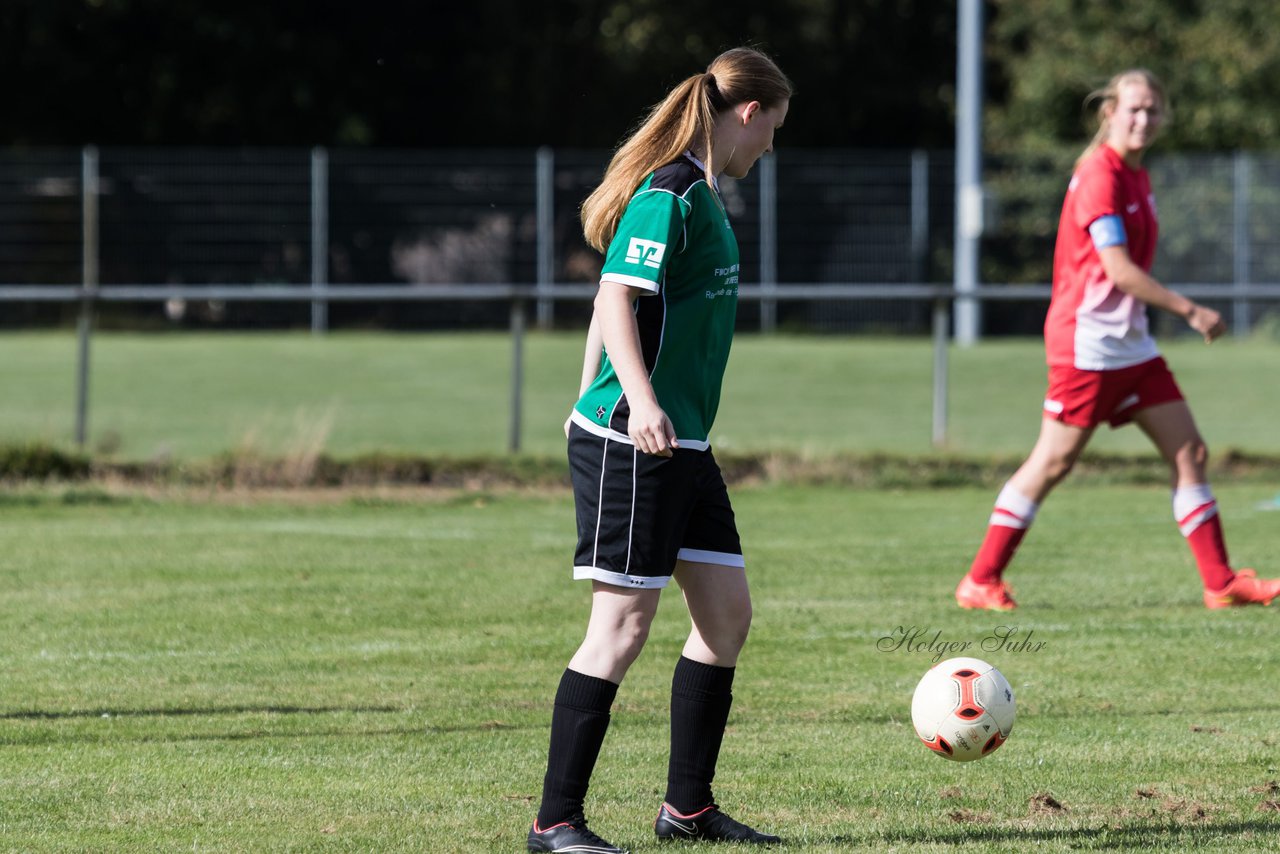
(1009, 522)
(1196, 512)
(997, 550)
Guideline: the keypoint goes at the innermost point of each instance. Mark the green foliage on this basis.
(570, 73)
(1219, 61)
(867, 74)
(38, 461)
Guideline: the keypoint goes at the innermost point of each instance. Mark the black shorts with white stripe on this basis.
(638, 514)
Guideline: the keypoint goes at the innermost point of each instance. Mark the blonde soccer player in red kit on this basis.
(1104, 364)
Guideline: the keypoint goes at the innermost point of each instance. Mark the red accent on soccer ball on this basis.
(968, 708)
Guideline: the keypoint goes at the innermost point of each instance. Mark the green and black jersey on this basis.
(675, 242)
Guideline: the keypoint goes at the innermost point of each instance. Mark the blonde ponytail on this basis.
(1106, 99)
(684, 120)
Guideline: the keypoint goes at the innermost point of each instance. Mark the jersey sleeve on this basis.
(651, 230)
(1097, 193)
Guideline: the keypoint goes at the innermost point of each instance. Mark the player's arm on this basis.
(590, 362)
(648, 426)
(591, 356)
(1113, 250)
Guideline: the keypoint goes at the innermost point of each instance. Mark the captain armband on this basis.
(1107, 231)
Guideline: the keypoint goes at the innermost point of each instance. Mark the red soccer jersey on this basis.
(1093, 325)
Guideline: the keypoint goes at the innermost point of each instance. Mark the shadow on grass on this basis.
(37, 714)
(57, 736)
(1123, 836)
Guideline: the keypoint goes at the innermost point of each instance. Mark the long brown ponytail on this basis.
(683, 120)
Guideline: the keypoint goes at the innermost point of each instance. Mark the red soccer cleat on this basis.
(988, 597)
(1245, 589)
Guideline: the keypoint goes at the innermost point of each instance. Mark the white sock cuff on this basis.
(1012, 501)
(1188, 498)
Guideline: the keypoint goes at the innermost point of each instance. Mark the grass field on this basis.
(192, 396)
(196, 669)
(375, 674)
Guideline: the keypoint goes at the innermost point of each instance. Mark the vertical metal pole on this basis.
(941, 329)
(968, 169)
(919, 216)
(89, 248)
(319, 240)
(546, 228)
(517, 372)
(1242, 255)
(769, 243)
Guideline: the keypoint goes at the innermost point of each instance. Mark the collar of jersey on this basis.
(715, 182)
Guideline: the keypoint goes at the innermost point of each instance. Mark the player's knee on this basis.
(1191, 457)
(1059, 466)
(1198, 451)
(630, 639)
(735, 628)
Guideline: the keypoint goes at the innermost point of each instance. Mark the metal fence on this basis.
(832, 240)
(312, 218)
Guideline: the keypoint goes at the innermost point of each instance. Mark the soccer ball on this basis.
(963, 709)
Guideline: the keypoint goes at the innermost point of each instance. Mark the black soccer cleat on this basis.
(709, 824)
(569, 837)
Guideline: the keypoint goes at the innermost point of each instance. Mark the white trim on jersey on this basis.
(1120, 340)
(631, 520)
(1131, 400)
(618, 579)
(717, 558)
(715, 181)
(631, 281)
(604, 432)
(604, 456)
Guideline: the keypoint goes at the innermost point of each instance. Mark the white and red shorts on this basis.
(1085, 399)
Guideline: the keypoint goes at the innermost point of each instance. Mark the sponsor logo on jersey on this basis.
(729, 277)
(723, 292)
(646, 252)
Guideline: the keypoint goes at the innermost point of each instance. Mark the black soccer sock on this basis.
(700, 698)
(578, 725)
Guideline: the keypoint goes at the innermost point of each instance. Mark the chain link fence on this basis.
(379, 218)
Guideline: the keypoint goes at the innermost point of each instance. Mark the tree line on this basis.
(579, 73)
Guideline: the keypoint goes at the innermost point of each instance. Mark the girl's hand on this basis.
(651, 430)
(1206, 321)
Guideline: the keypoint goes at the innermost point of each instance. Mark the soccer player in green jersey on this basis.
(651, 502)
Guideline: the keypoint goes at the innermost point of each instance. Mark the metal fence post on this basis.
(769, 242)
(89, 248)
(969, 196)
(1242, 258)
(319, 239)
(919, 215)
(517, 371)
(546, 227)
(941, 324)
